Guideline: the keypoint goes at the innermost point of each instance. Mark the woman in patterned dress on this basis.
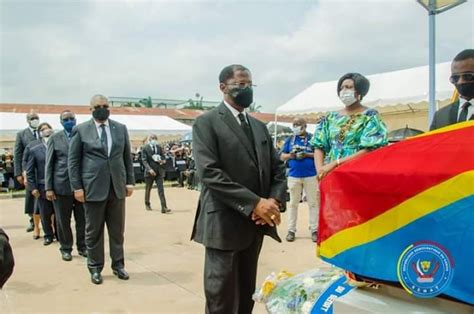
(350, 132)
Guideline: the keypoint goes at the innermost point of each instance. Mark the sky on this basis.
(63, 52)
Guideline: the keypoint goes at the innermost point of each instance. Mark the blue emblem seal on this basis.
(425, 269)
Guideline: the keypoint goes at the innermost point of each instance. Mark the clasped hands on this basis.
(266, 212)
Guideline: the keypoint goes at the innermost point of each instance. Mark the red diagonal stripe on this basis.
(374, 183)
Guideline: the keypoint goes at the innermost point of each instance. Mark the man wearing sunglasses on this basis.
(462, 76)
(58, 189)
(101, 174)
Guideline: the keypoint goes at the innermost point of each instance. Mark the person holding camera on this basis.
(153, 158)
(299, 155)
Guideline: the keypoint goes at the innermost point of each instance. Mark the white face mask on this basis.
(34, 123)
(297, 130)
(347, 96)
(46, 133)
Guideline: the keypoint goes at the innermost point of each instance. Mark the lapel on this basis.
(29, 135)
(257, 137)
(232, 123)
(113, 130)
(64, 141)
(453, 112)
(93, 133)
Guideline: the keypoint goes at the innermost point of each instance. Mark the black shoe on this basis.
(121, 274)
(314, 236)
(290, 237)
(165, 210)
(30, 227)
(66, 256)
(96, 278)
(47, 241)
(82, 253)
(148, 207)
(36, 236)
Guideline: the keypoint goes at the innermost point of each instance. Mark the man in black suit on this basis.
(58, 189)
(101, 175)
(35, 174)
(153, 159)
(23, 138)
(243, 189)
(462, 76)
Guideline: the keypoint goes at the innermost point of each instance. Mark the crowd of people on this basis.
(242, 177)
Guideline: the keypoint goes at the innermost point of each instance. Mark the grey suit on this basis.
(150, 164)
(57, 180)
(103, 178)
(446, 116)
(235, 175)
(23, 138)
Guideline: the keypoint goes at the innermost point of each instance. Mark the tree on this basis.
(146, 102)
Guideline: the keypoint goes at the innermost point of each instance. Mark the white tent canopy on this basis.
(135, 123)
(391, 91)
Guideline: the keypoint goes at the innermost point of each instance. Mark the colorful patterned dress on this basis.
(339, 136)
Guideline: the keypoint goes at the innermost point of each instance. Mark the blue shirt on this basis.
(300, 168)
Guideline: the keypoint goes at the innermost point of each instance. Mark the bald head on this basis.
(299, 122)
(31, 116)
(99, 100)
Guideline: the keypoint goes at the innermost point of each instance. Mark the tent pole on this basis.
(432, 60)
(275, 131)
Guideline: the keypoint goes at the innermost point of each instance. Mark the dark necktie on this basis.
(35, 134)
(463, 115)
(246, 128)
(103, 139)
(154, 150)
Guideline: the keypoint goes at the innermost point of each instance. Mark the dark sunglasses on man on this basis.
(468, 77)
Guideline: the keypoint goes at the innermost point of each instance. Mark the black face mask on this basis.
(466, 90)
(243, 97)
(101, 113)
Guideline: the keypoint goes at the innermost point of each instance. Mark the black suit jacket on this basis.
(234, 176)
(57, 175)
(35, 166)
(92, 170)
(148, 161)
(446, 116)
(23, 138)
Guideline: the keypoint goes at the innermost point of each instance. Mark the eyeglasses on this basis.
(242, 85)
(69, 119)
(101, 106)
(468, 76)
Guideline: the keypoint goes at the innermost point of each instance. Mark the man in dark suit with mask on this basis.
(153, 159)
(462, 76)
(243, 188)
(23, 138)
(101, 175)
(58, 189)
(35, 173)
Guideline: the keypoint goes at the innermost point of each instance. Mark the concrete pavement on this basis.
(165, 267)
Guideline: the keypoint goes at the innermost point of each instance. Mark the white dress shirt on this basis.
(470, 109)
(235, 112)
(107, 131)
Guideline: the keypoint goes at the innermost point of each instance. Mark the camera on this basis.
(299, 151)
